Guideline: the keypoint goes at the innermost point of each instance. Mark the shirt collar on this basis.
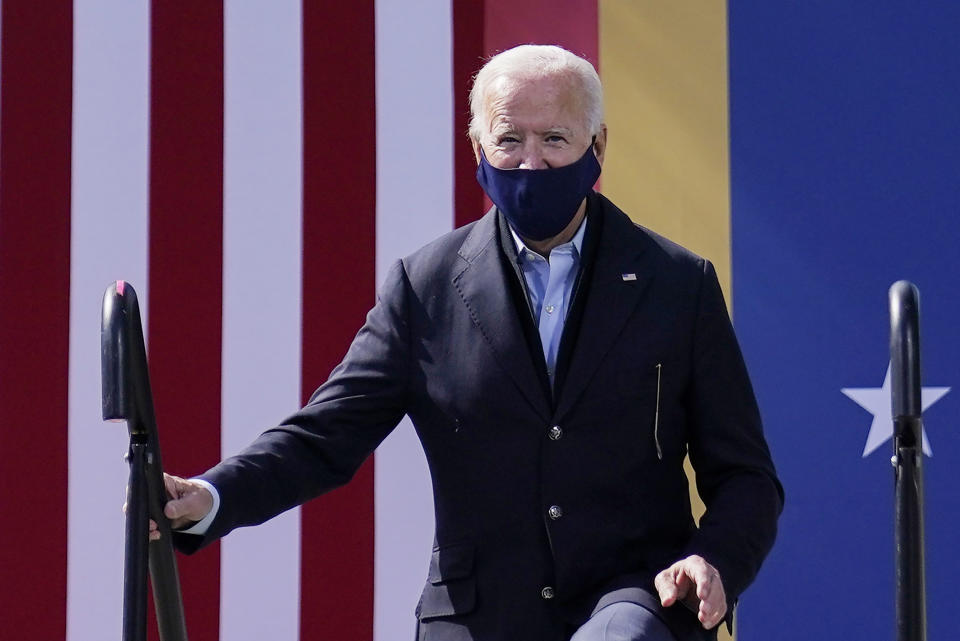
(576, 241)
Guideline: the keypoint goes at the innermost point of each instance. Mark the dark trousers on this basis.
(623, 621)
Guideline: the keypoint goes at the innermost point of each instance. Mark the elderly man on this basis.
(558, 362)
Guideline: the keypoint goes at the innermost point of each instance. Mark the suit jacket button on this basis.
(555, 512)
(547, 592)
(555, 433)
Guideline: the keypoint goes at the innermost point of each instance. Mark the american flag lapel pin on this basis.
(630, 276)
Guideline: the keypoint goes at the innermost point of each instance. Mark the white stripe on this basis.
(260, 567)
(108, 242)
(414, 205)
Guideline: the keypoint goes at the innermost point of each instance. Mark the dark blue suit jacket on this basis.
(654, 371)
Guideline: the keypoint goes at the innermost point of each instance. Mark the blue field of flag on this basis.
(845, 177)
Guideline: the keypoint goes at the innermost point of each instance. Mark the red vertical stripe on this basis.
(339, 259)
(468, 57)
(186, 251)
(512, 23)
(37, 93)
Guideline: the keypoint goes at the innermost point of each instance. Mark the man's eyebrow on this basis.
(503, 127)
(566, 131)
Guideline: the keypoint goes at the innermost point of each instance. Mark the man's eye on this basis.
(505, 140)
(555, 139)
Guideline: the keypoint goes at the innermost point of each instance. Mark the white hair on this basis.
(537, 61)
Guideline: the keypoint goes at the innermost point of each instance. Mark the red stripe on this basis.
(36, 76)
(468, 57)
(186, 252)
(510, 23)
(339, 258)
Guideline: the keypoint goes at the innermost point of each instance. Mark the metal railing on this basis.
(907, 460)
(127, 397)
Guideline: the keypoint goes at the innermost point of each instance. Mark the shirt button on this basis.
(550, 309)
(555, 433)
(555, 512)
(547, 592)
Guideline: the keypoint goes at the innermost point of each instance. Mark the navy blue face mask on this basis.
(539, 203)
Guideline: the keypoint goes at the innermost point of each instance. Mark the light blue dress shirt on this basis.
(550, 288)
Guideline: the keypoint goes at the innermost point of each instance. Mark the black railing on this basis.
(127, 397)
(911, 610)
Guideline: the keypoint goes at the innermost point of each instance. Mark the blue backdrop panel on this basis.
(845, 176)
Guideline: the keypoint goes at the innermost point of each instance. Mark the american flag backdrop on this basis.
(252, 167)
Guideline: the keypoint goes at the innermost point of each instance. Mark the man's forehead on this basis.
(509, 96)
(509, 88)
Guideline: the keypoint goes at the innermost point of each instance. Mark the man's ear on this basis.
(476, 148)
(600, 143)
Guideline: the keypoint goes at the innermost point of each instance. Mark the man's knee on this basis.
(623, 621)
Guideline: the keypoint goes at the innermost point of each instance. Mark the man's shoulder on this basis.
(450, 253)
(621, 226)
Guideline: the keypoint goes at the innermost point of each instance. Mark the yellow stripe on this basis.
(664, 70)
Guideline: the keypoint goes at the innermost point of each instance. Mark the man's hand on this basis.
(697, 585)
(189, 502)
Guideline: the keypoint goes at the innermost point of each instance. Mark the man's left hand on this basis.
(697, 585)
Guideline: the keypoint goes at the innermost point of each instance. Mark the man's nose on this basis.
(533, 158)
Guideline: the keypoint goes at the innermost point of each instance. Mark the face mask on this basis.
(539, 203)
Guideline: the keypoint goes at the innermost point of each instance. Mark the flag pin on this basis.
(630, 276)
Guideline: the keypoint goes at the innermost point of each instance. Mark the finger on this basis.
(178, 522)
(686, 584)
(666, 584)
(713, 607)
(710, 615)
(705, 579)
(173, 485)
(192, 507)
(175, 509)
(665, 588)
(694, 572)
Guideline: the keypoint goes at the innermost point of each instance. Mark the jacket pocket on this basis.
(451, 586)
(643, 387)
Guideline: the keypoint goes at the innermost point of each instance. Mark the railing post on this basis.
(126, 396)
(907, 460)
(136, 551)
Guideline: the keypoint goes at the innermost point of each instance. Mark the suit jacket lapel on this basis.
(482, 284)
(621, 272)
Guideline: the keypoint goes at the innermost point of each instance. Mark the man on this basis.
(558, 363)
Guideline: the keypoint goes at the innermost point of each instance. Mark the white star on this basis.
(877, 402)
